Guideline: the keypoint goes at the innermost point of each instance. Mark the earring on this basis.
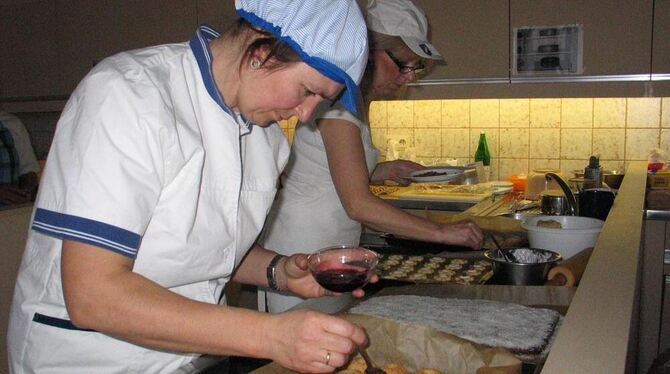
(255, 63)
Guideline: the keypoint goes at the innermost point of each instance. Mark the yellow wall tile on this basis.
(609, 112)
(665, 142)
(494, 169)
(569, 165)
(644, 112)
(609, 143)
(639, 141)
(429, 161)
(400, 113)
(514, 143)
(292, 122)
(456, 113)
(545, 143)
(577, 113)
(575, 143)
(428, 142)
(289, 135)
(551, 133)
(428, 113)
(541, 163)
(515, 113)
(377, 114)
(612, 165)
(396, 135)
(454, 144)
(545, 112)
(665, 115)
(512, 166)
(379, 139)
(485, 113)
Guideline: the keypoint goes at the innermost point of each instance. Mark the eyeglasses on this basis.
(405, 69)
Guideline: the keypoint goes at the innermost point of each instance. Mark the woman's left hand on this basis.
(396, 170)
(299, 280)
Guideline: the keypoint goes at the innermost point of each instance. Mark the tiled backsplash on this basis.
(523, 134)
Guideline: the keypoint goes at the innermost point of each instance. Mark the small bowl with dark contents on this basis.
(529, 266)
(343, 268)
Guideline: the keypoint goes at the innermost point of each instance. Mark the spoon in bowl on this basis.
(500, 251)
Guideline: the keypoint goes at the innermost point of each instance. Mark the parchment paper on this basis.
(419, 347)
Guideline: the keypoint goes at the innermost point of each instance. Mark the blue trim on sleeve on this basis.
(57, 322)
(99, 234)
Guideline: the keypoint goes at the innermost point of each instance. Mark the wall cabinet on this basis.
(476, 38)
(660, 63)
(472, 36)
(617, 34)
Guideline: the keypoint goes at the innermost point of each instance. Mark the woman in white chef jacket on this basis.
(164, 166)
(325, 195)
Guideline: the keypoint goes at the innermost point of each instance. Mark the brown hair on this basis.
(279, 53)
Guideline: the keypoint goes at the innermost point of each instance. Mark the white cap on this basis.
(329, 35)
(404, 19)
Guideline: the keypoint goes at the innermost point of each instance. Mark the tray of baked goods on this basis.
(433, 269)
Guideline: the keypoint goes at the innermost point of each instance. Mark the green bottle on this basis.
(482, 153)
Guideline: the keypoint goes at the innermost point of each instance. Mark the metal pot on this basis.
(554, 203)
(522, 274)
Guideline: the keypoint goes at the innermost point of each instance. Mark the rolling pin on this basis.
(569, 272)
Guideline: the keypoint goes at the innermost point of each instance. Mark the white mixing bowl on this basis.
(575, 234)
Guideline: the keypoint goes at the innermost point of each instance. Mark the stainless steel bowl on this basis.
(522, 273)
(554, 203)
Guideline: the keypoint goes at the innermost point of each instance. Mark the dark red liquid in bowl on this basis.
(341, 279)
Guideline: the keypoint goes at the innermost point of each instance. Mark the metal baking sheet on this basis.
(434, 269)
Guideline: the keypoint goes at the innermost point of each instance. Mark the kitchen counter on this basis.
(600, 331)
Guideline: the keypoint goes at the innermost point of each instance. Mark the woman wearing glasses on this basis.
(325, 196)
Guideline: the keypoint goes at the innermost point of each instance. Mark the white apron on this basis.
(149, 163)
(308, 214)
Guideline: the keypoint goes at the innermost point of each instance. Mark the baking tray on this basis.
(433, 269)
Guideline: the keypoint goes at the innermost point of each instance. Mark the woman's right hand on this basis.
(465, 233)
(311, 342)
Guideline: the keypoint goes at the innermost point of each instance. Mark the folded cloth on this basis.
(518, 328)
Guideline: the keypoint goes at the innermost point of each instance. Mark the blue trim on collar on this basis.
(350, 97)
(203, 55)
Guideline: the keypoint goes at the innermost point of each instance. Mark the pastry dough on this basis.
(549, 223)
(394, 368)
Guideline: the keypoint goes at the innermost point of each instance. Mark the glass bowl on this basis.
(342, 268)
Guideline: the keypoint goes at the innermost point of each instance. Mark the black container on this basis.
(596, 202)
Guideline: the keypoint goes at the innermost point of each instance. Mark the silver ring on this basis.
(327, 358)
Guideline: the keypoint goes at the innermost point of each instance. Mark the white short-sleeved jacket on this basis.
(147, 162)
(308, 214)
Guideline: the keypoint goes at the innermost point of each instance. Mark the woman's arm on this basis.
(348, 169)
(102, 293)
(292, 274)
